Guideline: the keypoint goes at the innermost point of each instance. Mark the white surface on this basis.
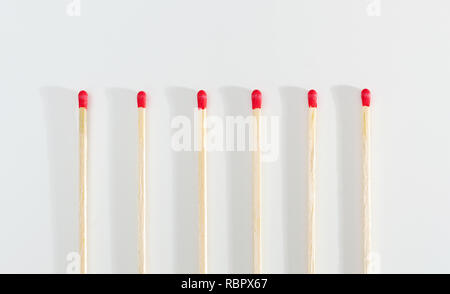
(173, 48)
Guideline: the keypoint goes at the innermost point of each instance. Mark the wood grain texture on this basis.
(257, 246)
(83, 189)
(203, 203)
(366, 197)
(311, 202)
(142, 201)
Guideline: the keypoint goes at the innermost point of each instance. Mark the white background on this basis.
(173, 48)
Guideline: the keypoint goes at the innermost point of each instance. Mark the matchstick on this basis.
(367, 225)
(203, 203)
(82, 105)
(256, 106)
(142, 220)
(312, 102)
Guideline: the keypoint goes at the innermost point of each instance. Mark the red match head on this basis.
(365, 97)
(256, 99)
(82, 99)
(142, 99)
(312, 99)
(201, 99)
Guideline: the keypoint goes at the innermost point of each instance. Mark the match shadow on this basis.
(237, 102)
(61, 115)
(349, 171)
(294, 138)
(123, 178)
(183, 102)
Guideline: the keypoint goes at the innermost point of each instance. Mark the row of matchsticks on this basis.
(256, 98)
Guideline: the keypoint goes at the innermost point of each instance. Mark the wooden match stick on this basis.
(367, 217)
(312, 102)
(82, 105)
(142, 220)
(257, 248)
(203, 203)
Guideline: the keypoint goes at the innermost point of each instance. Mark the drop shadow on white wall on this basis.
(183, 101)
(60, 110)
(237, 102)
(294, 138)
(123, 178)
(348, 132)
